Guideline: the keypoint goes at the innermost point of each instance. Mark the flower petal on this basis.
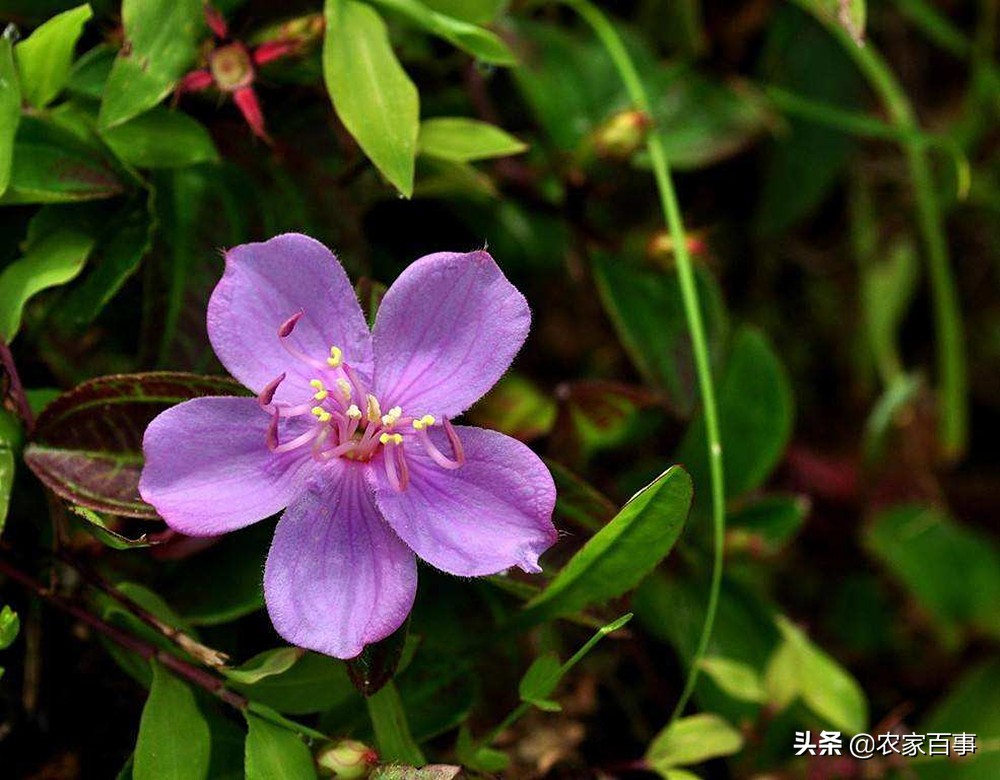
(265, 284)
(446, 331)
(208, 469)
(493, 512)
(337, 577)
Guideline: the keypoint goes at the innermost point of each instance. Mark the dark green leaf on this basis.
(55, 251)
(540, 680)
(371, 92)
(174, 740)
(766, 524)
(276, 753)
(755, 407)
(692, 740)
(44, 58)
(478, 42)
(475, 11)
(313, 684)
(392, 732)
(90, 72)
(88, 443)
(482, 759)
(162, 37)
(99, 527)
(952, 571)
(53, 164)
(849, 14)
(887, 288)
(10, 110)
(161, 138)
(647, 310)
(10, 624)
(618, 556)
(10, 445)
(577, 501)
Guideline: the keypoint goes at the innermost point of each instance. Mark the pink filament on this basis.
(439, 457)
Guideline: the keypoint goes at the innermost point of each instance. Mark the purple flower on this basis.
(351, 432)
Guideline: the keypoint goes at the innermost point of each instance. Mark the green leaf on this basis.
(55, 251)
(540, 681)
(10, 446)
(371, 92)
(465, 140)
(100, 528)
(87, 446)
(735, 678)
(971, 706)
(480, 43)
(481, 759)
(577, 501)
(162, 38)
(849, 14)
(517, 407)
(276, 753)
(392, 732)
(90, 73)
(54, 164)
(692, 740)
(799, 669)
(266, 664)
(174, 741)
(44, 58)
(10, 110)
(618, 556)
(647, 309)
(161, 138)
(755, 417)
(765, 525)
(10, 624)
(313, 684)
(887, 288)
(474, 11)
(952, 570)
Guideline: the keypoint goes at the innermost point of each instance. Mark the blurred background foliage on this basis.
(836, 165)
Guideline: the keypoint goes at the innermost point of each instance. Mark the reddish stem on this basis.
(16, 388)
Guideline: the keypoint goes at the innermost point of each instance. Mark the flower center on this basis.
(348, 420)
(231, 66)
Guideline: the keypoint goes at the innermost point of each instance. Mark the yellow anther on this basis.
(353, 412)
(387, 438)
(344, 387)
(321, 414)
(321, 391)
(316, 384)
(336, 357)
(424, 422)
(374, 410)
(392, 416)
(321, 395)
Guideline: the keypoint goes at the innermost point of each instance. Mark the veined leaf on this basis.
(44, 58)
(88, 443)
(618, 556)
(371, 92)
(478, 42)
(174, 740)
(465, 140)
(162, 39)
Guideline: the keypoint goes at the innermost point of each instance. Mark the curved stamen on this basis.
(435, 454)
(265, 396)
(285, 331)
(396, 470)
(271, 438)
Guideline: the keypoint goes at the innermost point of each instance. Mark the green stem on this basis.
(612, 42)
(392, 732)
(953, 421)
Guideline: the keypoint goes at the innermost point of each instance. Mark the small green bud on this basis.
(622, 135)
(346, 759)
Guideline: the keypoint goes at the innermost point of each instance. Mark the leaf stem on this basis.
(951, 361)
(16, 388)
(612, 42)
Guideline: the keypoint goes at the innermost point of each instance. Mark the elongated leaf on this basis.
(90, 73)
(371, 92)
(56, 249)
(540, 681)
(313, 684)
(266, 664)
(162, 39)
(88, 442)
(618, 556)
(392, 731)
(44, 57)
(174, 740)
(692, 740)
(10, 444)
(276, 753)
(755, 417)
(10, 110)
(737, 679)
(647, 310)
(475, 11)
(465, 140)
(952, 571)
(161, 138)
(52, 164)
(100, 528)
(475, 40)
(799, 669)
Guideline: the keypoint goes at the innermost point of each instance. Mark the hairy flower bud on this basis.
(346, 759)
